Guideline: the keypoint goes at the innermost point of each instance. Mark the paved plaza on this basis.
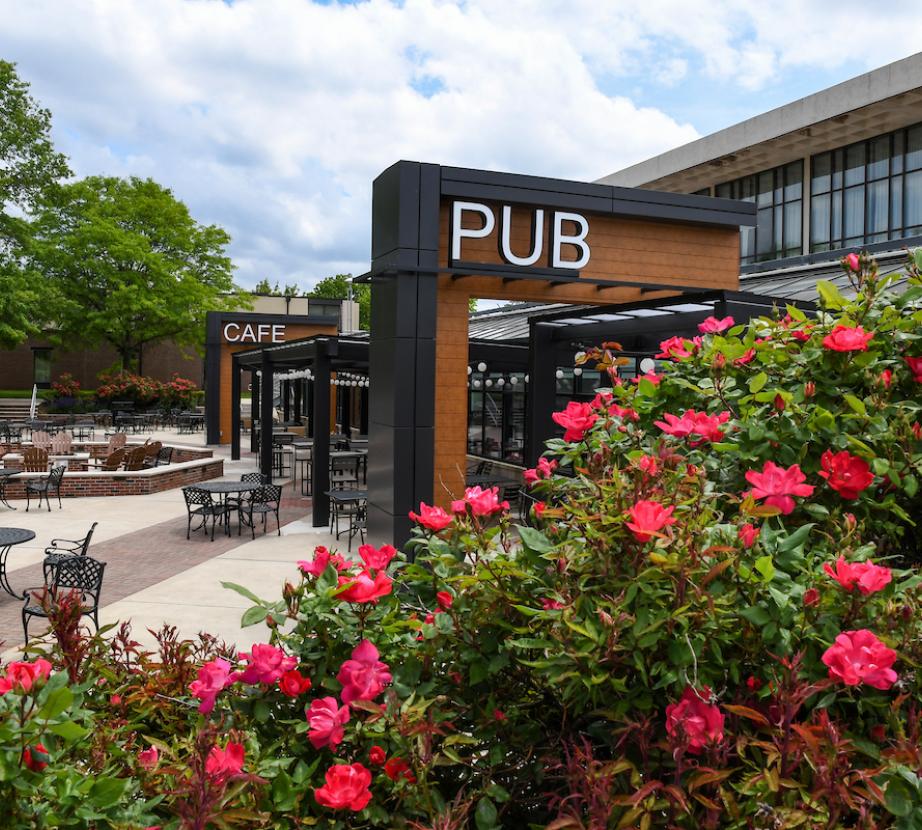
(153, 574)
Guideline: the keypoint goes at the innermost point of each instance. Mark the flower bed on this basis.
(715, 623)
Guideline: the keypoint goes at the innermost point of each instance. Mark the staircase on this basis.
(14, 409)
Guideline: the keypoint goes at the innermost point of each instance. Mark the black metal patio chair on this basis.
(263, 501)
(200, 504)
(81, 574)
(61, 548)
(164, 457)
(46, 486)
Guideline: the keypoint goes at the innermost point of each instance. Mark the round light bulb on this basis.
(559, 374)
(501, 382)
(577, 371)
(481, 367)
(488, 383)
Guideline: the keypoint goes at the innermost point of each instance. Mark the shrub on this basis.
(66, 386)
(714, 623)
(146, 391)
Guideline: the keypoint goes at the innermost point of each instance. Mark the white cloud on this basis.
(272, 117)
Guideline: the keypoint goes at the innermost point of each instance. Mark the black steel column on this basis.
(265, 417)
(346, 421)
(213, 377)
(254, 411)
(286, 400)
(320, 420)
(405, 239)
(310, 408)
(363, 410)
(542, 391)
(299, 385)
(235, 409)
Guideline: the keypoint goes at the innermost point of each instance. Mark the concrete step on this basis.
(14, 408)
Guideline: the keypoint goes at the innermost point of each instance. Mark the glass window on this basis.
(778, 193)
(854, 164)
(41, 366)
(821, 175)
(913, 199)
(877, 206)
(914, 148)
(819, 221)
(879, 161)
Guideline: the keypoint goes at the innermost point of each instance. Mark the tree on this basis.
(130, 266)
(263, 288)
(29, 169)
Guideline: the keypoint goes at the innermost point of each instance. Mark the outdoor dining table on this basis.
(6, 475)
(10, 536)
(340, 499)
(224, 489)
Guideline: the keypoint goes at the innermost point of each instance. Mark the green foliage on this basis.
(341, 287)
(265, 289)
(538, 673)
(130, 266)
(29, 169)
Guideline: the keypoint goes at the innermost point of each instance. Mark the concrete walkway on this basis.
(153, 574)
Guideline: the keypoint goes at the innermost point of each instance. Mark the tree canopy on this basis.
(29, 170)
(337, 288)
(130, 266)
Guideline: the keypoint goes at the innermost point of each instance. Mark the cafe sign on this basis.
(254, 333)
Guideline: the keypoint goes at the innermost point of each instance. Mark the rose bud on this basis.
(811, 597)
(809, 389)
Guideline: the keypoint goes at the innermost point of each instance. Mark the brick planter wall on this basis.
(139, 483)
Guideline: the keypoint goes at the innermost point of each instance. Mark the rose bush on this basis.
(715, 622)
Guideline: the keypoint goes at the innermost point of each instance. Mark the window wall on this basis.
(867, 192)
(778, 195)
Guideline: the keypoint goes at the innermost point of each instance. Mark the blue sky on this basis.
(272, 117)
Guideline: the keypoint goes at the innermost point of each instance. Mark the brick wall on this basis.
(139, 483)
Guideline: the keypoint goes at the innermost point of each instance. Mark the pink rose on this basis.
(649, 517)
(148, 758)
(866, 576)
(346, 787)
(577, 419)
(222, 764)
(748, 535)
(326, 719)
(322, 559)
(23, 675)
(364, 676)
(364, 588)
(675, 347)
(714, 326)
(915, 366)
(481, 502)
(266, 664)
(859, 657)
(848, 339)
(777, 485)
(432, 518)
(852, 262)
(213, 678)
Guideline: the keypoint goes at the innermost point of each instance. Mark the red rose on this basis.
(915, 366)
(650, 376)
(397, 768)
(693, 721)
(482, 502)
(649, 517)
(377, 756)
(23, 675)
(886, 378)
(293, 684)
(748, 534)
(577, 419)
(859, 657)
(811, 597)
(363, 588)
(444, 599)
(745, 357)
(868, 577)
(213, 677)
(848, 339)
(676, 348)
(224, 763)
(35, 757)
(714, 326)
(845, 473)
(148, 758)
(377, 559)
(753, 683)
(322, 559)
(694, 423)
(346, 787)
(777, 485)
(433, 518)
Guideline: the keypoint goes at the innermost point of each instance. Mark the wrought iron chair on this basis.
(265, 500)
(344, 473)
(80, 574)
(234, 500)
(164, 457)
(356, 512)
(51, 483)
(200, 504)
(151, 452)
(60, 548)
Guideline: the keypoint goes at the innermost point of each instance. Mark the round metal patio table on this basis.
(10, 536)
(225, 488)
(5, 475)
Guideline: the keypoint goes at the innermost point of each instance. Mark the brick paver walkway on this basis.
(140, 559)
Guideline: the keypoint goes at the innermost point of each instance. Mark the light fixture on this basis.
(577, 371)
(488, 383)
(513, 380)
(559, 374)
(648, 364)
(469, 370)
(477, 384)
(481, 367)
(501, 382)
(526, 378)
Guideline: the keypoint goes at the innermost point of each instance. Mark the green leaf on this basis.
(765, 567)
(59, 700)
(485, 815)
(757, 615)
(244, 592)
(855, 403)
(910, 485)
(107, 792)
(533, 539)
(899, 799)
(830, 295)
(70, 731)
(796, 539)
(253, 615)
(757, 383)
